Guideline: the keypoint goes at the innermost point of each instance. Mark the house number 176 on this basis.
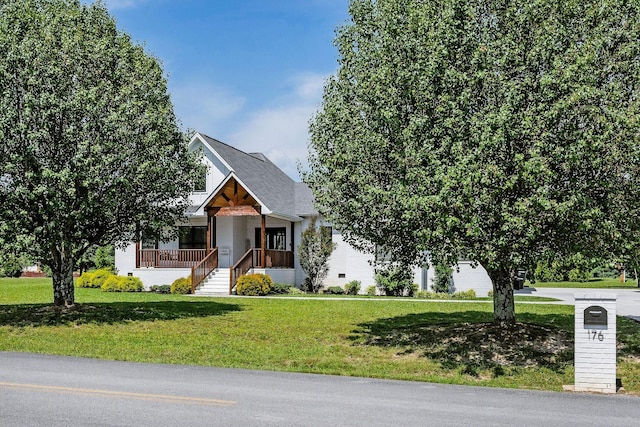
(595, 335)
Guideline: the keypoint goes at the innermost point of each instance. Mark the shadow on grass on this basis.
(36, 315)
(470, 342)
(628, 336)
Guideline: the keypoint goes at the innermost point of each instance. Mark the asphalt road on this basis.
(39, 390)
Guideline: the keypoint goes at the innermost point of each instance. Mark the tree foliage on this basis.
(491, 130)
(314, 251)
(91, 151)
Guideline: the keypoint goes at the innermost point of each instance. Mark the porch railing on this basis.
(240, 268)
(200, 271)
(170, 258)
(274, 258)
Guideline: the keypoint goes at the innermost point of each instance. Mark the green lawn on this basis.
(414, 340)
(593, 283)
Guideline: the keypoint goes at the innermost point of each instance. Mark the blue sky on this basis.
(247, 72)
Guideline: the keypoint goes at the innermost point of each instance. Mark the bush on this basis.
(254, 285)
(334, 290)
(296, 291)
(352, 288)
(443, 280)
(111, 284)
(181, 286)
(131, 284)
(99, 277)
(85, 279)
(371, 290)
(160, 289)
(470, 294)
(578, 275)
(11, 268)
(281, 288)
(122, 284)
(395, 281)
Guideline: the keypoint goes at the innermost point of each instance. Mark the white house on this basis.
(245, 204)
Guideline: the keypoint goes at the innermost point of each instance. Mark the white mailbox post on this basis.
(595, 343)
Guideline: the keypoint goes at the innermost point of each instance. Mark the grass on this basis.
(593, 283)
(521, 298)
(447, 342)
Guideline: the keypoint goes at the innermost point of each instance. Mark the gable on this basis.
(269, 185)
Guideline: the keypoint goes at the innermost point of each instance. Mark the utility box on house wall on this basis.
(595, 343)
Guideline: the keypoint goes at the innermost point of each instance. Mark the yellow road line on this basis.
(119, 394)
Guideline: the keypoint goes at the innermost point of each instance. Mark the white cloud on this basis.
(204, 107)
(282, 132)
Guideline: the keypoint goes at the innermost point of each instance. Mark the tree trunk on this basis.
(503, 303)
(62, 274)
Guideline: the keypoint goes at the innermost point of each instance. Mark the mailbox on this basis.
(595, 316)
(518, 280)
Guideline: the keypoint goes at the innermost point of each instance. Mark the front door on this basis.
(276, 238)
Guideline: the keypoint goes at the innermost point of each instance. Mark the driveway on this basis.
(627, 303)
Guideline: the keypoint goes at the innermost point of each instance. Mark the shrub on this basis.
(254, 285)
(443, 280)
(578, 275)
(470, 294)
(122, 284)
(160, 289)
(112, 284)
(99, 277)
(334, 290)
(11, 268)
(181, 286)
(281, 288)
(424, 295)
(296, 291)
(395, 281)
(352, 288)
(85, 279)
(371, 290)
(131, 284)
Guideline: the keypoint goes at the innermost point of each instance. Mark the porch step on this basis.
(216, 284)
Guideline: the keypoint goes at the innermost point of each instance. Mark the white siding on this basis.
(126, 259)
(467, 277)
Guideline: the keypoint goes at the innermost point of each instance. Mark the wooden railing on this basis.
(240, 268)
(274, 258)
(200, 271)
(170, 258)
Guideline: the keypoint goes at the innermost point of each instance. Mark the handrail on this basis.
(200, 271)
(169, 258)
(239, 268)
(275, 258)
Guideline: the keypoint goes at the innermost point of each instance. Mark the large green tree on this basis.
(486, 129)
(90, 152)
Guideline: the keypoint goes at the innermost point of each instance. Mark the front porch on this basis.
(203, 262)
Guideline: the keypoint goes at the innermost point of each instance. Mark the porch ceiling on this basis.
(233, 199)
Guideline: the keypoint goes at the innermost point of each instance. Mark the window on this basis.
(148, 242)
(193, 238)
(201, 181)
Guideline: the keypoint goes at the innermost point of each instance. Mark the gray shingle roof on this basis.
(304, 200)
(262, 177)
